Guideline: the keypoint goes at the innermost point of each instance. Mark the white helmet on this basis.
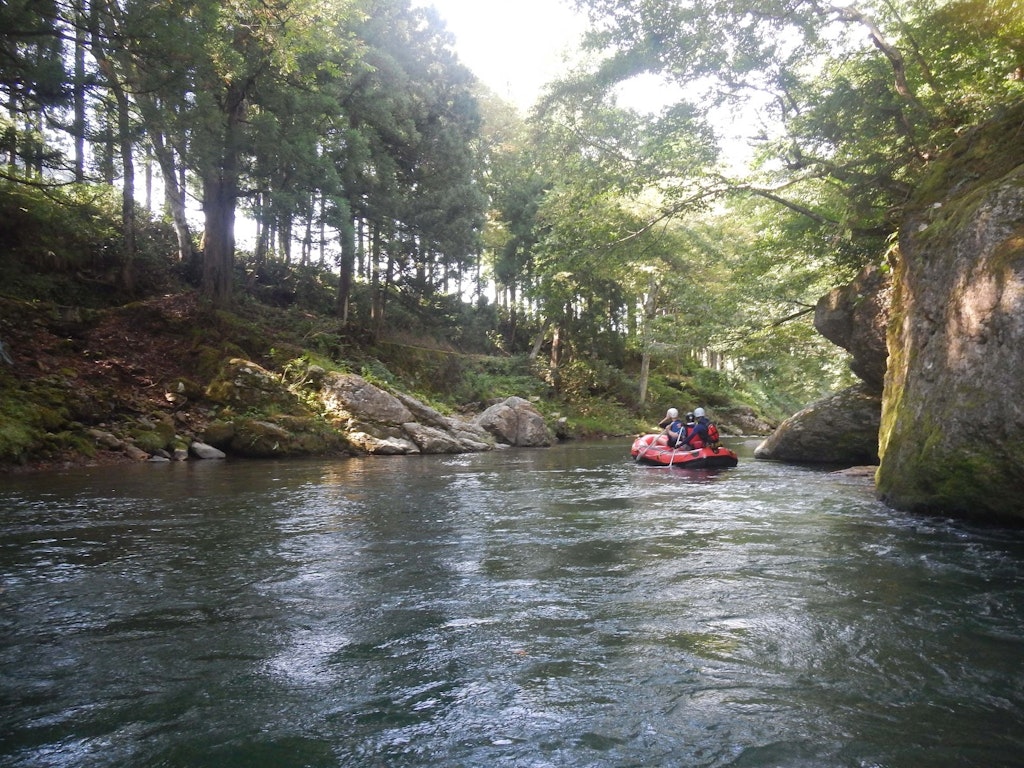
(672, 413)
(698, 412)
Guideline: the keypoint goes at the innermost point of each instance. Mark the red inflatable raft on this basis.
(654, 449)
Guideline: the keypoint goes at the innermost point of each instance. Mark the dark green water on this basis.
(559, 607)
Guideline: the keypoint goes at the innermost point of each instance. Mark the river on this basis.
(529, 608)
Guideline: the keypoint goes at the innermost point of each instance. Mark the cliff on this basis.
(842, 428)
(952, 431)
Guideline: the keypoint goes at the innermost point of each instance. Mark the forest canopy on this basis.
(347, 135)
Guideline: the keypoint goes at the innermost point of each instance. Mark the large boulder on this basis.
(355, 400)
(280, 436)
(855, 317)
(246, 386)
(843, 428)
(516, 422)
(740, 420)
(263, 418)
(952, 435)
(382, 423)
(839, 429)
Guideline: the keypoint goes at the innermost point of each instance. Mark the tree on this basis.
(515, 182)
(34, 83)
(603, 231)
(407, 157)
(839, 97)
(232, 63)
(250, 52)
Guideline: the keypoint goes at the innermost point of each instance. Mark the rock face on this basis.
(952, 436)
(379, 422)
(351, 416)
(856, 317)
(515, 421)
(843, 428)
(740, 420)
(839, 429)
(277, 436)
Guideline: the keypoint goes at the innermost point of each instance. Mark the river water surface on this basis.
(559, 607)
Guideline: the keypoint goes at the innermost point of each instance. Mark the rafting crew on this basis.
(691, 433)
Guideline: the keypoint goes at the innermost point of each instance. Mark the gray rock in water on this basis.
(516, 421)
(382, 423)
(839, 429)
(204, 451)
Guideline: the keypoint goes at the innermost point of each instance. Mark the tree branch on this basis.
(805, 311)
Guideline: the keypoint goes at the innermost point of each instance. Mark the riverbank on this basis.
(91, 386)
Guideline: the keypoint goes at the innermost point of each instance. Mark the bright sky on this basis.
(516, 47)
(513, 46)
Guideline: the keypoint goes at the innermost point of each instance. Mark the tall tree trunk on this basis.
(107, 144)
(360, 268)
(374, 266)
(220, 193)
(148, 175)
(513, 317)
(322, 231)
(174, 193)
(385, 288)
(11, 136)
(127, 189)
(554, 371)
(126, 147)
(260, 253)
(81, 15)
(284, 232)
(220, 199)
(307, 236)
(346, 264)
(650, 308)
(539, 341)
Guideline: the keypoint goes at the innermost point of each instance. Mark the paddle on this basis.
(675, 447)
(673, 457)
(646, 448)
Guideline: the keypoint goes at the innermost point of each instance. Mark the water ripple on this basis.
(529, 608)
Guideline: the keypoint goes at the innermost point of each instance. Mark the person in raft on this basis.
(698, 436)
(673, 429)
(691, 424)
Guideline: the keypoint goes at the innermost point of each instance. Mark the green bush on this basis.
(66, 245)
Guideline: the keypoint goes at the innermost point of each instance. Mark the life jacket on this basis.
(713, 435)
(695, 441)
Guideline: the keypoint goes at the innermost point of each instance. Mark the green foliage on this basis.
(67, 228)
(487, 379)
(623, 235)
(597, 417)
(31, 418)
(279, 284)
(375, 372)
(61, 244)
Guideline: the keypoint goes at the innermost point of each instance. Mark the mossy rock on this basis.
(247, 387)
(286, 436)
(28, 416)
(149, 440)
(209, 360)
(186, 387)
(219, 434)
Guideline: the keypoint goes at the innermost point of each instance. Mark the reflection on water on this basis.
(560, 607)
